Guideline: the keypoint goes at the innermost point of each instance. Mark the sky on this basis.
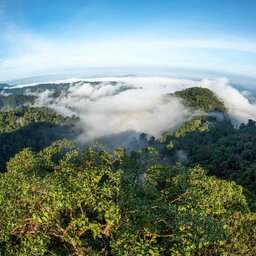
(46, 37)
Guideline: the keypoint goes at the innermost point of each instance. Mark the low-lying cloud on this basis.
(111, 108)
(117, 105)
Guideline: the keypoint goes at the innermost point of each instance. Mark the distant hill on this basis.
(13, 101)
(57, 89)
(200, 98)
(15, 119)
(4, 85)
(31, 127)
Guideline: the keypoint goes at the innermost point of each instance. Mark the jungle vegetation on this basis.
(191, 192)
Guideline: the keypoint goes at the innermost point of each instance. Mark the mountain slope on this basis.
(201, 98)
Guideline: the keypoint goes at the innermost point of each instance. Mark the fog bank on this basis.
(115, 105)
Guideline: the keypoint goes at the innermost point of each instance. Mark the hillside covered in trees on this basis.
(200, 98)
(31, 127)
(190, 192)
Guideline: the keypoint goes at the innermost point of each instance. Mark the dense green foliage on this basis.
(23, 116)
(222, 150)
(59, 199)
(31, 127)
(195, 124)
(200, 98)
(63, 201)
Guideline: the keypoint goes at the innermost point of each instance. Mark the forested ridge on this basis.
(17, 118)
(190, 192)
(200, 98)
(31, 127)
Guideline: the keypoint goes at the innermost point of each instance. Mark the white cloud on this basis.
(137, 103)
(130, 104)
(32, 55)
(239, 106)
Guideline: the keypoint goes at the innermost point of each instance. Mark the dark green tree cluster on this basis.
(197, 123)
(223, 150)
(23, 116)
(31, 127)
(200, 98)
(66, 201)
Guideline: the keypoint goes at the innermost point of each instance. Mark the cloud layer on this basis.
(111, 108)
(116, 105)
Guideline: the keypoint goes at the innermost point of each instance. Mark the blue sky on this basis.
(48, 37)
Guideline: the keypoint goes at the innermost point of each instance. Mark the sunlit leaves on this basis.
(66, 201)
